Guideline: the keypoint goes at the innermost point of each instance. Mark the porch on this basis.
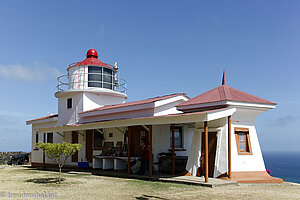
(189, 180)
(160, 131)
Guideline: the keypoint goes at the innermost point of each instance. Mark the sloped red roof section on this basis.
(223, 93)
(161, 116)
(91, 61)
(46, 117)
(134, 103)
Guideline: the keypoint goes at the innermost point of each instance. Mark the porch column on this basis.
(206, 150)
(173, 150)
(150, 150)
(229, 147)
(44, 158)
(128, 149)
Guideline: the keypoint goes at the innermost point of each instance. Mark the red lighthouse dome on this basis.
(92, 53)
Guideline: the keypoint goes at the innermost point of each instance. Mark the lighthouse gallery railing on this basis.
(76, 81)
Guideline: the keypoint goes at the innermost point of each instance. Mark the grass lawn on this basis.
(16, 181)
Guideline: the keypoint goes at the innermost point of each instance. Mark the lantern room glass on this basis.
(100, 77)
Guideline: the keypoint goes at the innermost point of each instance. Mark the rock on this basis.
(14, 158)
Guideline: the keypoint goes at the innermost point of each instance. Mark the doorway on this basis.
(89, 145)
(75, 141)
(136, 133)
(212, 146)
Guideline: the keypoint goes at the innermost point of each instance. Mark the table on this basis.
(111, 162)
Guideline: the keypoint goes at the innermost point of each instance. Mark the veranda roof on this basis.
(153, 120)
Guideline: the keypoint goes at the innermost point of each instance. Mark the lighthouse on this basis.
(213, 133)
(88, 84)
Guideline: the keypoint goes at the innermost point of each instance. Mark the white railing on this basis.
(80, 81)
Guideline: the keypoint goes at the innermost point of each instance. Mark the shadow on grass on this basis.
(44, 180)
(55, 169)
(146, 197)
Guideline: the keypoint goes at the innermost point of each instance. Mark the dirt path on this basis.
(16, 181)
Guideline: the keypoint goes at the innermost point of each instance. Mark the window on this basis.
(243, 141)
(69, 103)
(94, 76)
(49, 137)
(107, 78)
(177, 137)
(37, 137)
(100, 77)
(98, 138)
(36, 140)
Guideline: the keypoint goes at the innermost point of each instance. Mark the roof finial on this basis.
(223, 80)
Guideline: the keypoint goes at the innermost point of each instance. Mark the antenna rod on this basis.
(223, 80)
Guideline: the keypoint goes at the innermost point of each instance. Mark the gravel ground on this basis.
(22, 182)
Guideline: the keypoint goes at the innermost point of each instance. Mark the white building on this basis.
(212, 134)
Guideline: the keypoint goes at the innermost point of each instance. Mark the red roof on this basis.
(46, 117)
(223, 93)
(91, 61)
(134, 103)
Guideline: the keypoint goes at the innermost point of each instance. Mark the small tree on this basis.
(59, 152)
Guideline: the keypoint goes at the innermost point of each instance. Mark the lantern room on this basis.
(89, 84)
(91, 73)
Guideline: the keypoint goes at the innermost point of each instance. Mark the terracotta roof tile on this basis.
(223, 93)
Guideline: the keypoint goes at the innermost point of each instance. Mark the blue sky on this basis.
(162, 47)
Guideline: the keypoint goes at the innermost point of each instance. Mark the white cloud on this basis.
(284, 120)
(36, 73)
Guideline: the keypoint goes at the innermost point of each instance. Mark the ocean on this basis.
(285, 165)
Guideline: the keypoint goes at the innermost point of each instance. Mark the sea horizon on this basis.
(283, 164)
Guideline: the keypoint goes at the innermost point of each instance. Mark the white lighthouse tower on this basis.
(89, 84)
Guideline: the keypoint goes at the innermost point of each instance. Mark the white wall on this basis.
(187, 141)
(167, 106)
(83, 101)
(220, 127)
(81, 152)
(252, 162)
(117, 135)
(69, 116)
(77, 76)
(37, 155)
(94, 100)
(161, 140)
(221, 149)
(245, 118)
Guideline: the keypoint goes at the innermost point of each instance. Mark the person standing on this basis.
(144, 156)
